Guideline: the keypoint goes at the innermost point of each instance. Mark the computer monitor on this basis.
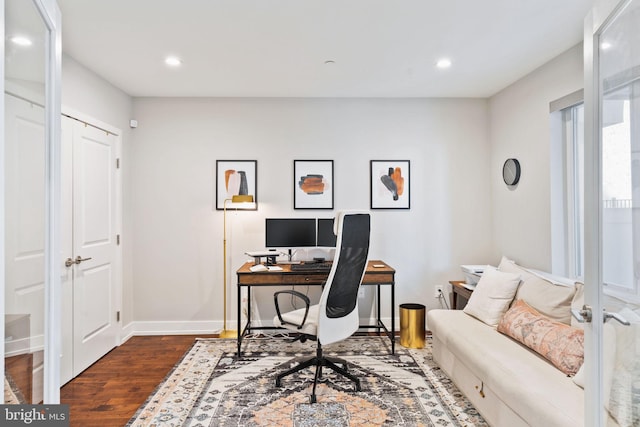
(290, 232)
(326, 238)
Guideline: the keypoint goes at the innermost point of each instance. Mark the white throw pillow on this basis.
(549, 297)
(493, 294)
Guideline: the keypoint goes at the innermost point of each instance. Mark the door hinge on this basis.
(117, 239)
(117, 316)
(118, 163)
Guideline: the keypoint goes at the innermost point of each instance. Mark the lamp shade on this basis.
(242, 198)
(242, 201)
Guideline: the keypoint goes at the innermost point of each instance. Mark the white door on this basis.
(612, 214)
(94, 245)
(89, 242)
(24, 235)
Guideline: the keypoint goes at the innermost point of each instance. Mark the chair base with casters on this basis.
(320, 361)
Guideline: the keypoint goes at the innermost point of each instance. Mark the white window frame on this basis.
(568, 231)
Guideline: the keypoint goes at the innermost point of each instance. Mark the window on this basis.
(617, 159)
(573, 144)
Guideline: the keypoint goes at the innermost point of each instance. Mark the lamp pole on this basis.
(243, 200)
(225, 333)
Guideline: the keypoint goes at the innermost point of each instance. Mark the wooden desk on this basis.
(458, 289)
(375, 276)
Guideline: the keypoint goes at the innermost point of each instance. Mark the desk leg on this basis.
(393, 318)
(378, 308)
(239, 315)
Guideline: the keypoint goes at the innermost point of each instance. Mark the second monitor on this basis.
(325, 237)
(299, 232)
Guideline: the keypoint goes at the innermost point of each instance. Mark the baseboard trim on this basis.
(171, 328)
(144, 328)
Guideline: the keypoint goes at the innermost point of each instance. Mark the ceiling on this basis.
(278, 48)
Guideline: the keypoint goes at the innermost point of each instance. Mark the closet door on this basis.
(90, 324)
(94, 245)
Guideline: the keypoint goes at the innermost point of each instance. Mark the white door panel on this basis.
(88, 231)
(93, 188)
(95, 323)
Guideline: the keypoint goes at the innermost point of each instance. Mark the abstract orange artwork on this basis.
(313, 184)
(235, 178)
(390, 184)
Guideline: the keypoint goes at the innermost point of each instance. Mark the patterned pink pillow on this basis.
(557, 342)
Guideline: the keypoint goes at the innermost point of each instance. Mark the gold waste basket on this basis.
(412, 325)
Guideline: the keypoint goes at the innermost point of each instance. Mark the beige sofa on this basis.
(510, 384)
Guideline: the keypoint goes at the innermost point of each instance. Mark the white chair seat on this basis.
(311, 325)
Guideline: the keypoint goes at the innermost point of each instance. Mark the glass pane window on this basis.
(618, 163)
(573, 122)
(617, 198)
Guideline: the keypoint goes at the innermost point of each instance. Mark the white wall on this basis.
(177, 253)
(520, 127)
(461, 211)
(85, 92)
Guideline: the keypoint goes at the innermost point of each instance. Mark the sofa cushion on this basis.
(561, 344)
(549, 297)
(492, 295)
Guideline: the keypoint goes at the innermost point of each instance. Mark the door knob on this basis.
(617, 317)
(583, 315)
(69, 262)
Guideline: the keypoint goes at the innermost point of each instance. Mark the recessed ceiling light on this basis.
(172, 61)
(443, 63)
(329, 62)
(21, 41)
(605, 45)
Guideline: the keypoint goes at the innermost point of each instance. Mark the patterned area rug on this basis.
(211, 387)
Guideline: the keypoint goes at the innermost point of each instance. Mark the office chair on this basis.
(335, 317)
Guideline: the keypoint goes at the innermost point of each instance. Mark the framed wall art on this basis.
(390, 184)
(236, 177)
(313, 184)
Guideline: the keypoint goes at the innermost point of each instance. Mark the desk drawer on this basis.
(378, 278)
(260, 279)
(304, 279)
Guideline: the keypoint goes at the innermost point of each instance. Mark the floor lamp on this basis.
(238, 202)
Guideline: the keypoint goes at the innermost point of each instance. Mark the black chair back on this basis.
(351, 265)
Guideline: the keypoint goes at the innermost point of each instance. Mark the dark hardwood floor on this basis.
(110, 391)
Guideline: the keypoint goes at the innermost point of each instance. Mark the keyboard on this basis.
(312, 266)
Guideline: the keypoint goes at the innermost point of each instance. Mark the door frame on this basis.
(51, 18)
(118, 261)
